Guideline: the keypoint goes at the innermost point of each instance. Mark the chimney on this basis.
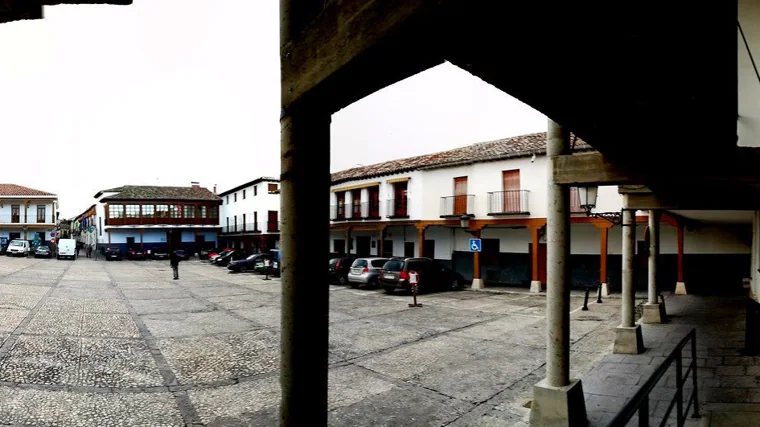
(195, 184)
(214, 188)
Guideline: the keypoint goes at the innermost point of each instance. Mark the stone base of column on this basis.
(654, 313)
(535, 286)
(605, 289)
(558, 406)
(680, 288)
(477, 284)
(628, 340)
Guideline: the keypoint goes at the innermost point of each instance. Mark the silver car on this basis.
(365, 271)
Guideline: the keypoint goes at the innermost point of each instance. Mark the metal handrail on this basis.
(640, 401)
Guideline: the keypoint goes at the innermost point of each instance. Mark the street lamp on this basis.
(587, 195)
(464, 221)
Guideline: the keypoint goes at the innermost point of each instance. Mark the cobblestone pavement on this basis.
(95, 343)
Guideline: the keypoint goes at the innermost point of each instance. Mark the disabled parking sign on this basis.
(476, 245)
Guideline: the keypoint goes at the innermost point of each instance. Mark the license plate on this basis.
(389, 276)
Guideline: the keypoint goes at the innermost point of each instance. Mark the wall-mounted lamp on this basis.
(588, 195)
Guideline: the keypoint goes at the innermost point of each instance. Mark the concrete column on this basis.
(654, 310)
(755, 254)
(535, 283)
(421, 241)
(680, 284)
(558, 400)
(477, 281)
(305, 179)
(628, 338)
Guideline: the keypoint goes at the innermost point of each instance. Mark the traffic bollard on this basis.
(585, 300)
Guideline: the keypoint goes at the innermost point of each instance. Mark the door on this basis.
(339, 246)
(399, 199)
(273, 223)
(362, 245)
(408, 249)
(14, 236)
(356, 204)
(387, 248)
(130, 243)
(428, 248)
(460, 195)
(511, 191)
(341, 212)
(374, 202)
(175, 240)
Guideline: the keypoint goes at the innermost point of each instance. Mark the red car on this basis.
(216, 253)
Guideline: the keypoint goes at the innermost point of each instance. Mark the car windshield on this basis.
(378, 263)
(16, 243)
(393, 265)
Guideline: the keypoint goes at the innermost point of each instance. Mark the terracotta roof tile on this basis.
(154, 192)
(517, 146)
(19, 190)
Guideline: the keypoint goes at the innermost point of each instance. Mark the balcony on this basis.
(510, 202)
(31, 219)
(252, 228)
(371, 210)
(161, 221)
(337, 212)
(455, 206)
(397, 208)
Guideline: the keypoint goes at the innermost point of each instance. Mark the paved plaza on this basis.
(95, 343)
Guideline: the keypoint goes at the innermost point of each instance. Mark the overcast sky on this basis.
(173, 91)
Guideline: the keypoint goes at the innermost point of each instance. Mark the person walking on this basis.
(89, 251)
(78, 248)
(174, 262)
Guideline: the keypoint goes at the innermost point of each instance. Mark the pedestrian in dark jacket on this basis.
(174, 262)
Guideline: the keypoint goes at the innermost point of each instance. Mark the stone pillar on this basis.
(381, 233)
(477, 281)
(654, 310)
(557, 399)
(535, 283)
(604, 234)
(305, 179)
(755, 254)
(628, 338)
(680, 284)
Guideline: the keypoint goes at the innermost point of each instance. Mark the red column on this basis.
(604, 237)
(421, 240)
(535, 250)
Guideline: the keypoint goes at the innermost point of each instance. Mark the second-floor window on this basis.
(341, 204)
(399, 206)
(256, 221)
(40, 213)
(243, 194)
(147, 211)
(235, 222)
(356, 203)
(272, 188)
(162, 211)
(235, 198)
(255, 190)
(15, 213)
(214, 212)
(133, 211)
(174, 211)
(228, 200)
(189, 211)
(116, 211)
(273, 223)
(203, 211)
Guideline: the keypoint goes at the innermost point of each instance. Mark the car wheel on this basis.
(354, 285)
(243, 269)
(342, 280)
(456, 284)
(389, 290)
(373, 284)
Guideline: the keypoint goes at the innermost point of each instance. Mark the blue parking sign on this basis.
(476, 245)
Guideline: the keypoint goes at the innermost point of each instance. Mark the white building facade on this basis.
(414, 207)
(250, 215)
(26, 213)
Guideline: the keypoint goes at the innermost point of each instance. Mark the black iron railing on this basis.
(252, 227)
(639, 403)
(452, 206)
(510, 202)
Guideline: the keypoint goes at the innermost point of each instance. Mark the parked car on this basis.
(366, 271)
(19, 247)
(236, 255)
(204, 253)
(184, 255)
(136, 254)
(218, 252)
(113, 253)
(4, 249)
(432, 275)
(43, 252)
(159, 253)
(339, 269)
(247, 264)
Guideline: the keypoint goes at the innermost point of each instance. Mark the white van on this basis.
(19, 247)
(67, 248)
